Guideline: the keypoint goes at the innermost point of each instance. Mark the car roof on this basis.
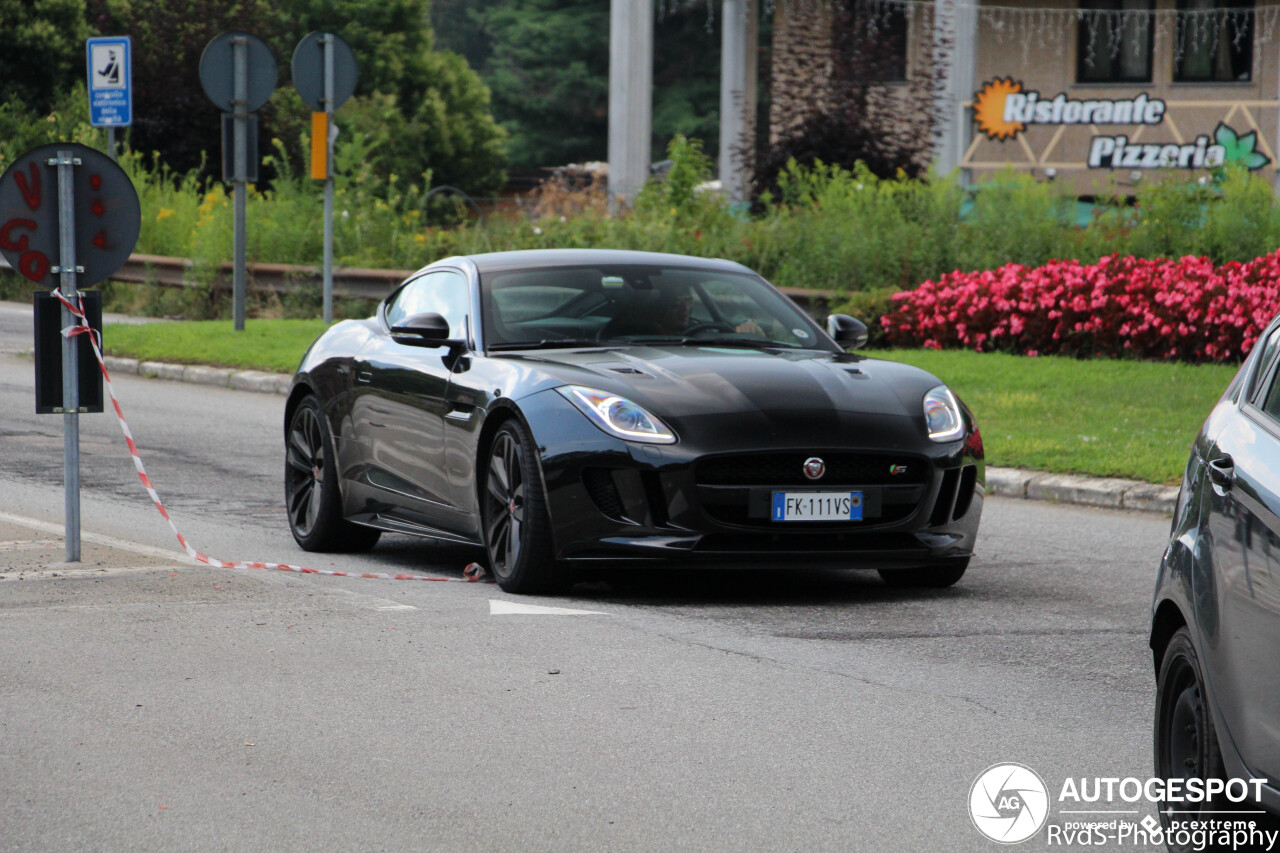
(533, 258)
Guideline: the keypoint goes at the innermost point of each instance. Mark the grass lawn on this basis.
(275, 345)
(1130, 419)
(1133, 419)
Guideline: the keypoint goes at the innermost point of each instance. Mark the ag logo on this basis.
(1008, 803)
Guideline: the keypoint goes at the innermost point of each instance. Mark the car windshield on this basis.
(605, 305)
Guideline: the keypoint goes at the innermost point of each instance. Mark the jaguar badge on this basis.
(895, 470)
(814, 468)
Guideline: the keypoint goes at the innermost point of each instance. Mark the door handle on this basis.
(1222, 471)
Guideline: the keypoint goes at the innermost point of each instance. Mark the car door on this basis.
(399, 401)
(1244, 519)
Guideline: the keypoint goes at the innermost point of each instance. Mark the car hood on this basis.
(707, 392)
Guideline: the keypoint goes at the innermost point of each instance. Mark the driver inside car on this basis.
(666, 316)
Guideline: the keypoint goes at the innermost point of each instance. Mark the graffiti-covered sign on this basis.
(1004, 108)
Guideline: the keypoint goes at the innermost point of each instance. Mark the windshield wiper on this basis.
(548, 343)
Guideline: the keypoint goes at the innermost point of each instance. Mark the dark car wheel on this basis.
(929, 577)
(517, 529)
(1186, 744)
(311, 487)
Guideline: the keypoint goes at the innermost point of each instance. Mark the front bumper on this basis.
(617, 502)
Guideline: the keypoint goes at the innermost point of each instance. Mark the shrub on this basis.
(1186, 309)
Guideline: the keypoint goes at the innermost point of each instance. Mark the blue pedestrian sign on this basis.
(110, 81)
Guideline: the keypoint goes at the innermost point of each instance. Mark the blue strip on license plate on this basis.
(817, 506)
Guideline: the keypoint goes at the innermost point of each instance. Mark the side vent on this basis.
(968, 483)
(603, 491)
(946, 498)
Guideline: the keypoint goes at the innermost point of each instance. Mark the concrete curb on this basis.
(1005, 482)
(1082, 491)
(221, 377)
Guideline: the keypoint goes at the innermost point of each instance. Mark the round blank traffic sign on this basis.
(106, 213)
(217, 70)
(308, 70)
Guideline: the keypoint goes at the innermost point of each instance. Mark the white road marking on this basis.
(135, 547)
(511, 608)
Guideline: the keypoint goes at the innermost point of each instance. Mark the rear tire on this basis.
(517, 527)
(1186, 742)
(311, 496)
(928, 577)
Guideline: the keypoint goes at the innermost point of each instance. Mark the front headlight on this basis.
(617, 415)
(942, 414)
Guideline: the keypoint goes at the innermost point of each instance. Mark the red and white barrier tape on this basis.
(471, 574)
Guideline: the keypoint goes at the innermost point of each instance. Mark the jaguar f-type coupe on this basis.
(566, 409)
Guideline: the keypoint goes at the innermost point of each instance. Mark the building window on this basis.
(1114, 41)
(1214, 41)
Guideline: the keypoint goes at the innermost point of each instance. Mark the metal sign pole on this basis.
(328, 180)
(66, 163)
(240, 113)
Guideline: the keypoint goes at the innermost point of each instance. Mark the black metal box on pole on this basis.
(48, 327)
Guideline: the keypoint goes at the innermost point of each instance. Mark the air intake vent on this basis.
(946, 498)
(603, 491)
(968, 482)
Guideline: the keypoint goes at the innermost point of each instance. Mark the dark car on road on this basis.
(629, 410)
(1215, 631)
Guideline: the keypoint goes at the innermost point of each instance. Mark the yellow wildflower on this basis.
(164, 213)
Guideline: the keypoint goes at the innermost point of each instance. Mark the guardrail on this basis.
(351, 282)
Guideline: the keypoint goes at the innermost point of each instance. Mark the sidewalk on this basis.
(32, 550)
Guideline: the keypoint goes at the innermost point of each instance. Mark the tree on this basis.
(41, 51)
(859, 118)
(547, 64)
(171, 114)
(548, 68)
(427, 108)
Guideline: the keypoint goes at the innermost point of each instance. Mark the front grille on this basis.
(787, 469)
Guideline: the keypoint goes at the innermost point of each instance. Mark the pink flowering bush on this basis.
(1186, 309)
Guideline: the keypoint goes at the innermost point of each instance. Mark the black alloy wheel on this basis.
(311, 487)
(1186, 743)
(517, 530)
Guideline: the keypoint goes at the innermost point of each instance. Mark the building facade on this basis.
(1102, 95)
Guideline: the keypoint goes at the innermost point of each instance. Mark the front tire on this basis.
(311, 493)
(517, 528)
(928, 577)
(1186, 742)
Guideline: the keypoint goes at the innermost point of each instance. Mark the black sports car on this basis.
(567, 408)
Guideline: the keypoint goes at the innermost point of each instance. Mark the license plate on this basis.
(817, 506)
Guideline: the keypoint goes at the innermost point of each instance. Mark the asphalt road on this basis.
(204, 709)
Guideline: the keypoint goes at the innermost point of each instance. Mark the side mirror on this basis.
(423, 330)
(850, 333)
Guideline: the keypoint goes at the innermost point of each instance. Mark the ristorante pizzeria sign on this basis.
(1003, 110)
